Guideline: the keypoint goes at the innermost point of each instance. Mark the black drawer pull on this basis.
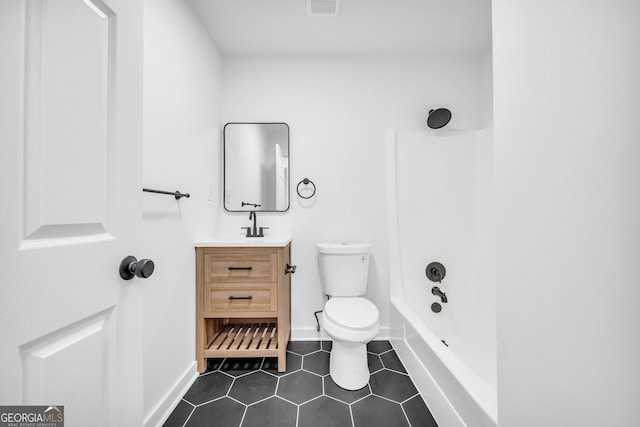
(249, 297)
(239, 268)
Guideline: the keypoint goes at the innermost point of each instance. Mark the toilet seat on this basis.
(356, 314)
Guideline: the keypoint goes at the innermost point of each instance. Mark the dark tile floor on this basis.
(251, 392)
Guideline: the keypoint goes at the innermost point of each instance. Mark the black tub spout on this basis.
(436, 291)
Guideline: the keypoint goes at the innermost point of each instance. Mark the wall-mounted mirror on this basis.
(256, 167)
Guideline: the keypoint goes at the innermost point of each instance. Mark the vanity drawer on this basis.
(245, 297)
(253, 265)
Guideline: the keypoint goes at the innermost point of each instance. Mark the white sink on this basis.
(228, 241)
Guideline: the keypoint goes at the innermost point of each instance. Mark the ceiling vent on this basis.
(323, 7)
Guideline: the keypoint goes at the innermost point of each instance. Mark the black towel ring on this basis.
(306, 182)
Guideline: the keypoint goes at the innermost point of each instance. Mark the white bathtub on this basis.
(440, 201)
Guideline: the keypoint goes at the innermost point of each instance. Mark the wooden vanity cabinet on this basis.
(243, 297)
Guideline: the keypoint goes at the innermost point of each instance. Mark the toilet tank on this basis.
(344, 268)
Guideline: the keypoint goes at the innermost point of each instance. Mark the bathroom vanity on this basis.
(243, 299)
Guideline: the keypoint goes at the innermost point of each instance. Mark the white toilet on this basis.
(350, 320)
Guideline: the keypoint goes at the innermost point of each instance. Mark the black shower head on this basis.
(438, 118)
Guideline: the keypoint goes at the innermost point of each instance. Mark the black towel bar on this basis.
(178, 195)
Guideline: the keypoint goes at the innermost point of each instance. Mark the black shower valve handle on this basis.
(435, 272)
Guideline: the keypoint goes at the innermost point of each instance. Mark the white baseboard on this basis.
(308, 334)
(163, 409)
(311, 334)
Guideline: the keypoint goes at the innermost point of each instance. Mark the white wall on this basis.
(567, 98)
(338, 109)
(181, 152)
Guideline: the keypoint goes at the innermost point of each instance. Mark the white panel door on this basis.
(70, 189)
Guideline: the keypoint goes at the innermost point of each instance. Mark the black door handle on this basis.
(131, 267)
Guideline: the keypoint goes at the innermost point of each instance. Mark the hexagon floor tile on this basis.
(251, 392)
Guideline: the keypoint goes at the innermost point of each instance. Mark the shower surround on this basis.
(441, 208)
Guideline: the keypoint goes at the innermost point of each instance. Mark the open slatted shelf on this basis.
(244, 339)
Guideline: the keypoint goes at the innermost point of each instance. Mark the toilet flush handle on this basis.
(290, 269)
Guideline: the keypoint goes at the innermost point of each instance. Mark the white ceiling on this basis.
(283, 27)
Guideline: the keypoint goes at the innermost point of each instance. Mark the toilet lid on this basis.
(352, 313)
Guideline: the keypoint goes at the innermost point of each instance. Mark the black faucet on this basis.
(436, 291)
(255, 232)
